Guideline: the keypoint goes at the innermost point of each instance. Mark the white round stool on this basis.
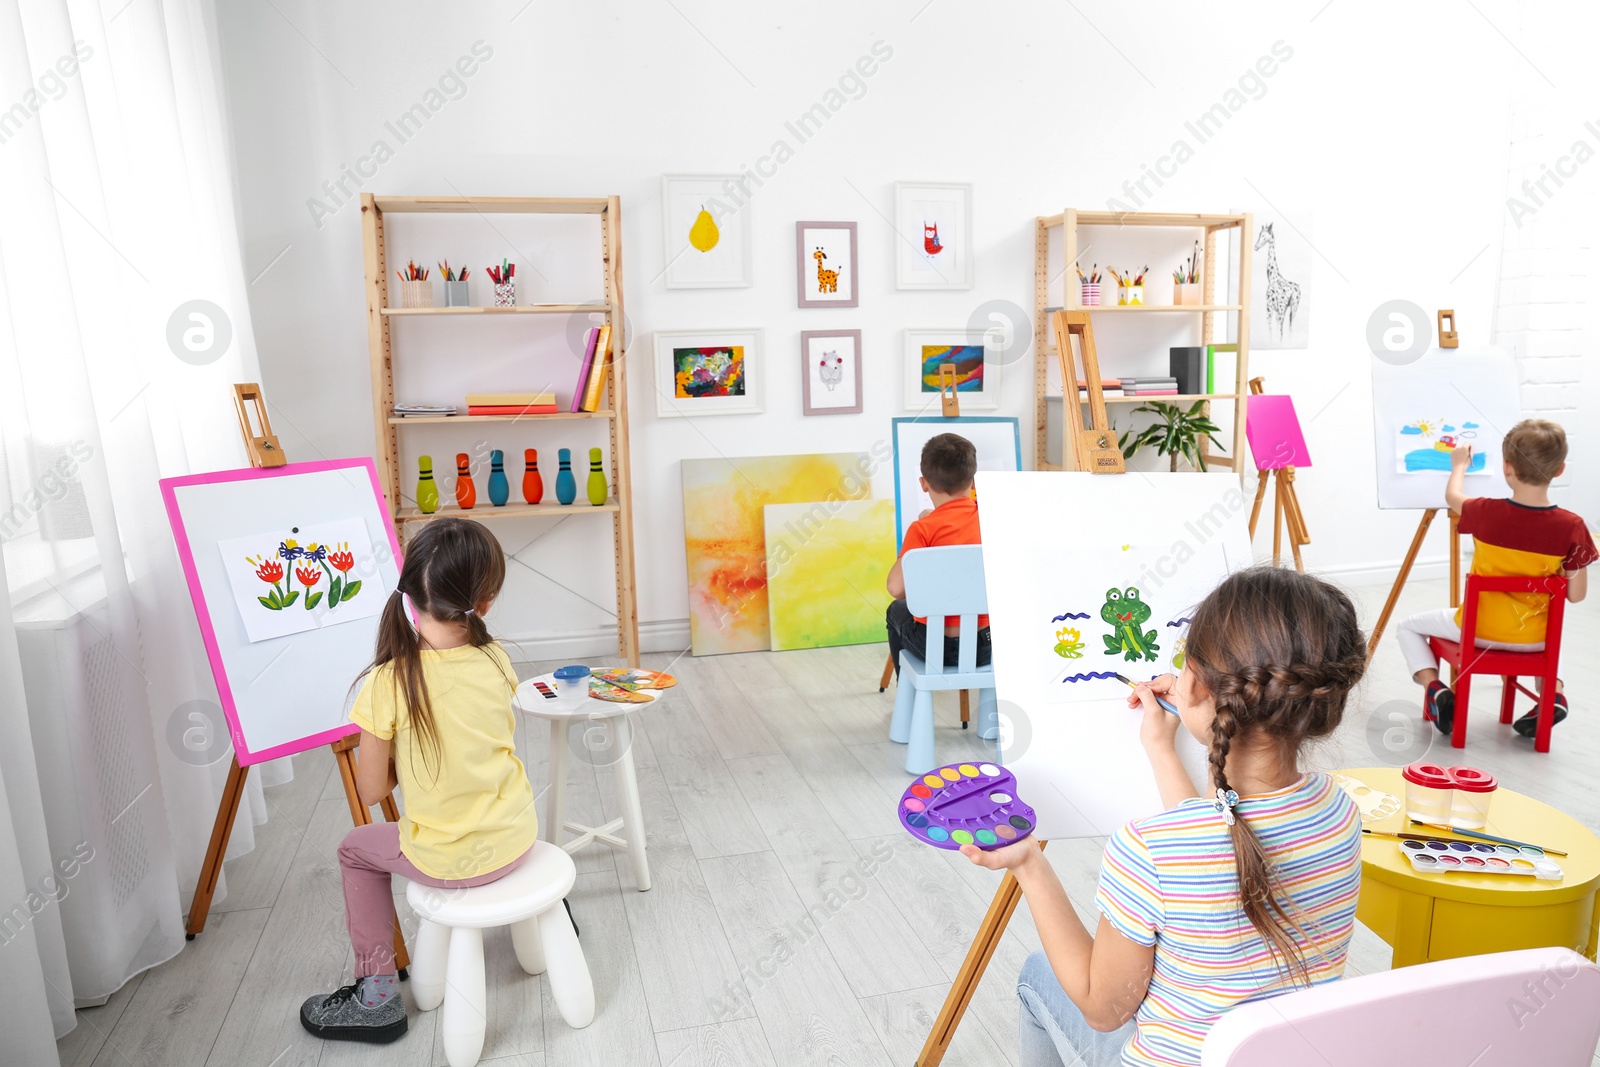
(447, 964)
(614, 733)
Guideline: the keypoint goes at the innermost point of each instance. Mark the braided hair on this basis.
(451, 566)
(1278, 653)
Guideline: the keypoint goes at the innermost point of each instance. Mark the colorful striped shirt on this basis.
(1170, 881)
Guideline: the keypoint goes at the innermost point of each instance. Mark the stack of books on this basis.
(412, 411)
(511, 404)
(1108, 387)
(590, 387)
(1161, 386)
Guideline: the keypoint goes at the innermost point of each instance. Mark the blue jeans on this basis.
(1052, 1031)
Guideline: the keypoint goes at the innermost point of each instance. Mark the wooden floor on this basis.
(791, 920)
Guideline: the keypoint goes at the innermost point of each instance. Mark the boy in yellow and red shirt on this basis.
(1524, 536)
(949, 464)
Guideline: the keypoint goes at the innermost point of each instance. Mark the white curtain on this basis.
(116, 217)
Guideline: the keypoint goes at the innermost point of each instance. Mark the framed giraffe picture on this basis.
(1281, 280)
(825, 264)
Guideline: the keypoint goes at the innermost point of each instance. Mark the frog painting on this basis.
(1125, 613)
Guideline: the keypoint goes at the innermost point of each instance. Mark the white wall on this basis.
(1391, 131)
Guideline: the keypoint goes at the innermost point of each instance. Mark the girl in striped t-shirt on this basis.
(1243, 890)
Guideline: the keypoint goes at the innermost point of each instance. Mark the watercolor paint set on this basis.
(1460, 857)
(966, 804)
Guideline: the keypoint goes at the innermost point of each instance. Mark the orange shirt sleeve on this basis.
(917, 536)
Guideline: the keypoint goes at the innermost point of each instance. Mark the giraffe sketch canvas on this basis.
(826, 270)
(1280, 281)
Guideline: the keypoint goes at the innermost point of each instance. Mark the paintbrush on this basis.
(1131, 684)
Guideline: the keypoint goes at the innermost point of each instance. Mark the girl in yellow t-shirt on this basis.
(436, 718)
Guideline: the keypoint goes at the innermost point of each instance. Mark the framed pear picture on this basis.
(706, 231)
(825, 264)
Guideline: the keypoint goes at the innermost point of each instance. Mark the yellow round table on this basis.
(1427, 917)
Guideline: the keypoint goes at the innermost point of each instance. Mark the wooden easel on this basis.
(1286, 513)
(1094, 449)
(265, 451)
(1405, 572)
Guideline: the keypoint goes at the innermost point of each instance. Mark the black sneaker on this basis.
(1528, 725)
(340, 1016)
(1439, 706)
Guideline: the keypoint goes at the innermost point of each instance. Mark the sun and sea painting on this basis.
(1425, 445)
(725, 537)
(710, 371)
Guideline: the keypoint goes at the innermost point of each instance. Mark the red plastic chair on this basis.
(1509, 665)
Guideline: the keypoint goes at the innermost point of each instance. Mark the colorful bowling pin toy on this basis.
(597, 479)
(466, 492)
(532, 480)
(566, 484)
(427, 490)
(499, 488)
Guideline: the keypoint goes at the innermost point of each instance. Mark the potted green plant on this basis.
(1179, 433)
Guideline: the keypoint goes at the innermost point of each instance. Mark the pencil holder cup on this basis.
(1469, 804)
(416, 294)
(505, 294)
(1129, 295)
(1091, 294)
(1186, 293)
(1430, 792)
(456, 295)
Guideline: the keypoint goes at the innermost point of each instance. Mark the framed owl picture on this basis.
(830, 371)
(933, 236)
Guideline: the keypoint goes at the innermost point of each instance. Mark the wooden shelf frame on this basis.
(614, 406)
(1215, 228)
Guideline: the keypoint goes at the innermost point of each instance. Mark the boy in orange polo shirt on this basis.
(949, 463)
(1526, 535)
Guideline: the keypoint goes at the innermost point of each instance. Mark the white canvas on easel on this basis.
(997, 440)
(1056, 545)
(1422, 410)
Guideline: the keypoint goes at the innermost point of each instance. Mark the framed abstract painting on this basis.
(977, 377)
(708, 372)
(830, 371)
(933, 236)
(825, 264)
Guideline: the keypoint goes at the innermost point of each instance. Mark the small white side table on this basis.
(626, 832)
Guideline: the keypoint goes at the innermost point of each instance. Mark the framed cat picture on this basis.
(825, 264)
(933, 236)
(830, 371)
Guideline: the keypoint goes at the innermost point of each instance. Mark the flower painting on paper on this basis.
(301, 578)
(712, 371)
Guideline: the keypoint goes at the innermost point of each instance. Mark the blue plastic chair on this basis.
(942, 582)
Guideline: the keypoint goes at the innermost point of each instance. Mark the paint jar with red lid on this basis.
(1430, 792)
(1469, 802)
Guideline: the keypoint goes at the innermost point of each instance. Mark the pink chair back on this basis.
(1508, 1009)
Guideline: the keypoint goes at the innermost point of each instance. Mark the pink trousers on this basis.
(367, 857)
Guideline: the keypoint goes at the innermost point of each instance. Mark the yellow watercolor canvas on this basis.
(826, 568)
(725, 540)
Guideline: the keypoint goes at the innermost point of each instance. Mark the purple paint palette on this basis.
(966, 804)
